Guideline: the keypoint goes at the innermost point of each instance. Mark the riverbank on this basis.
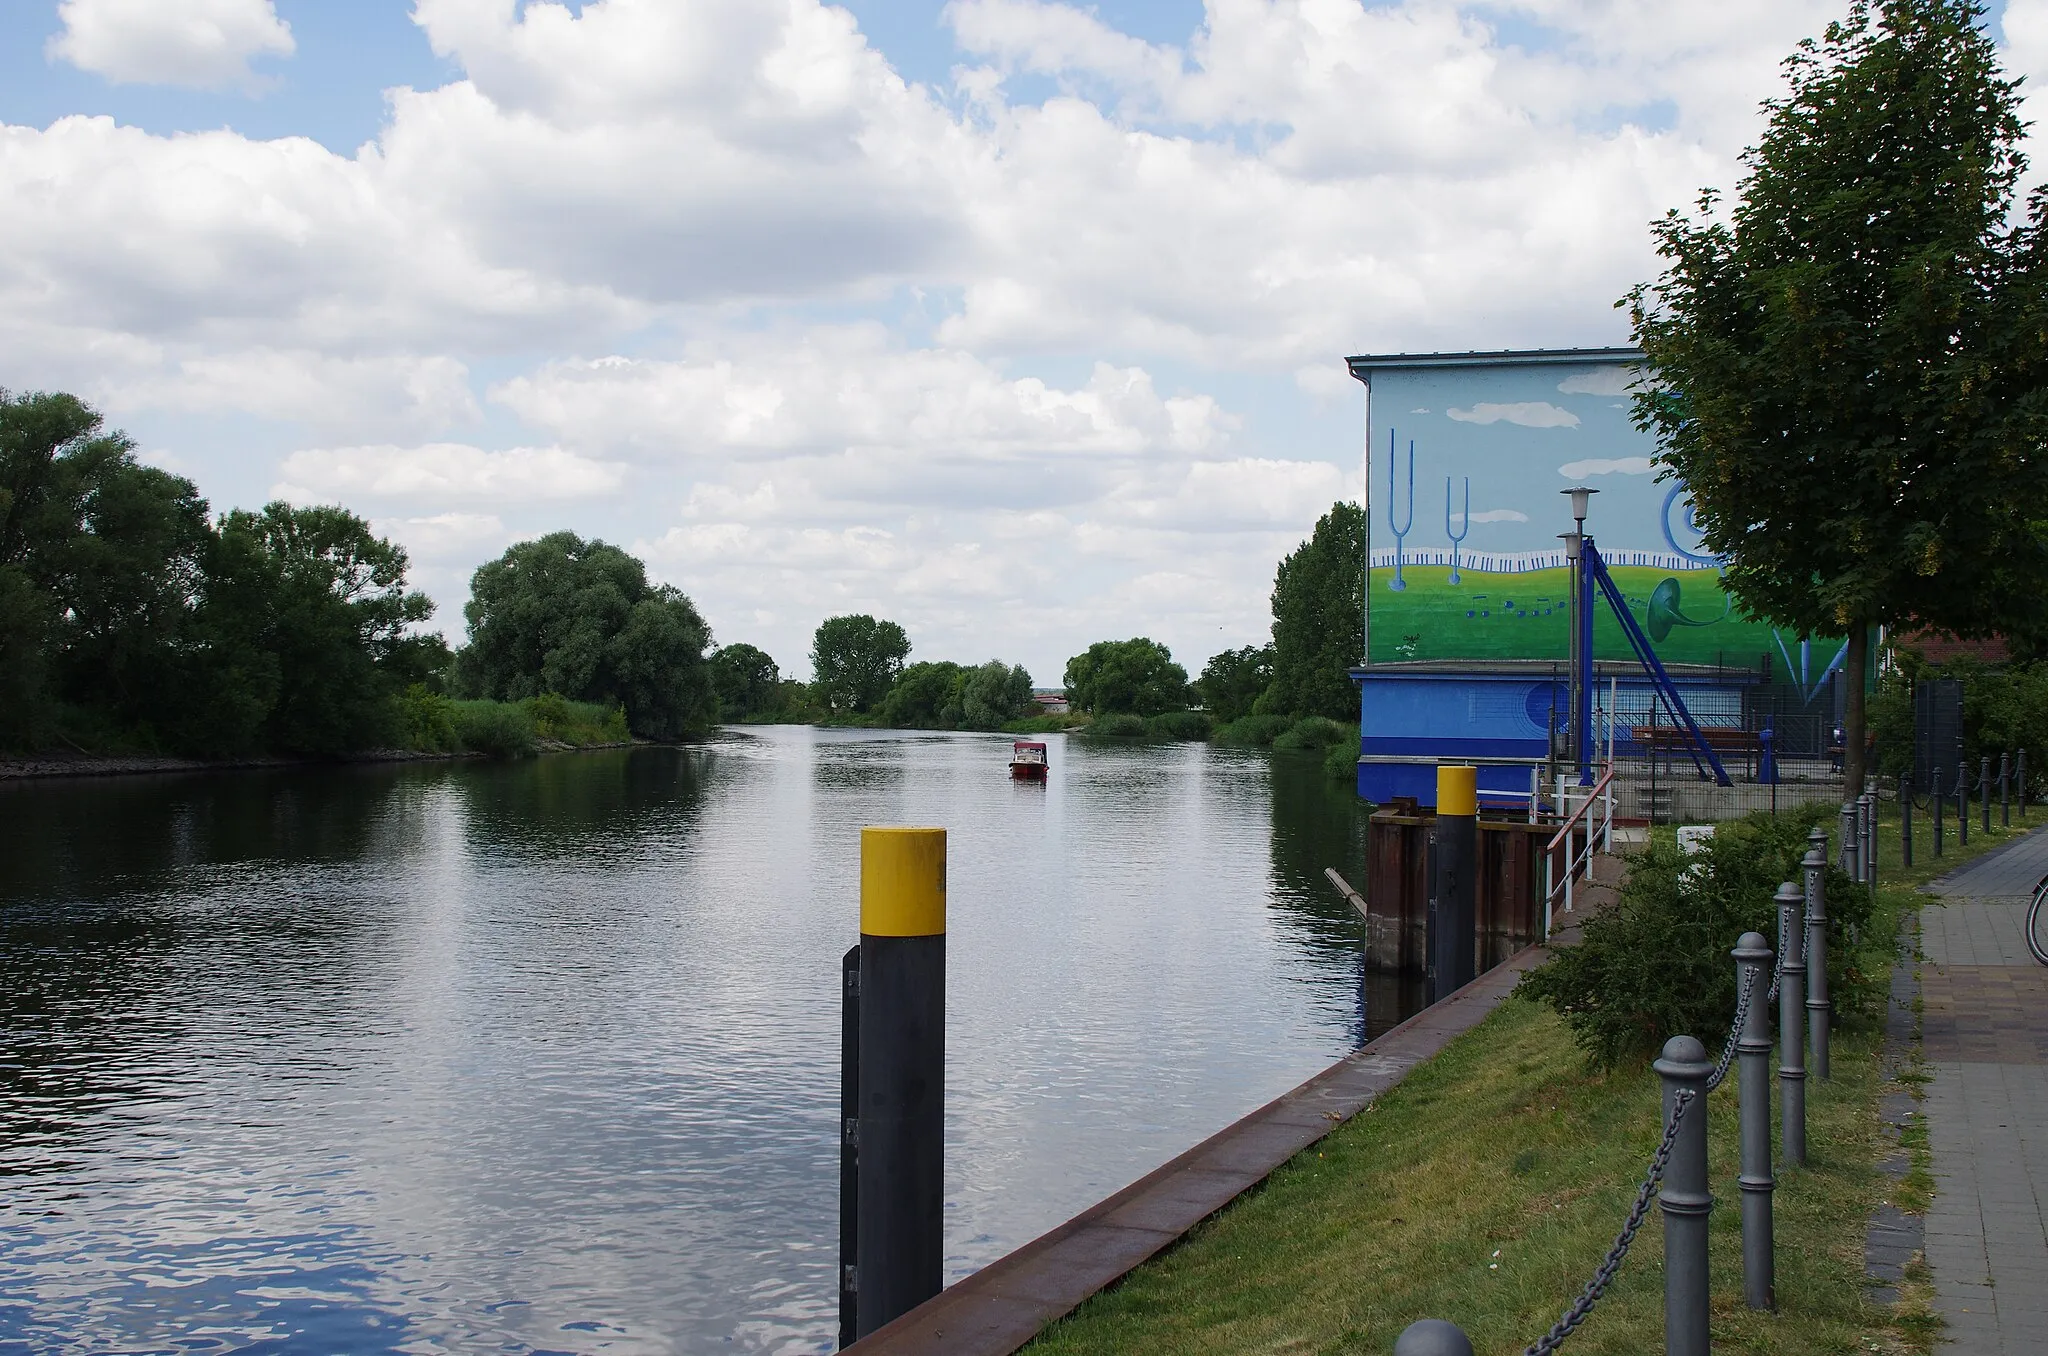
(1488, 1185)
(96, 765)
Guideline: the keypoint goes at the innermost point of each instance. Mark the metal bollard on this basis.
(1759, 1261)
(849, 1147)
(1906, 819)
(1866, 837)
(1984, 790)
(1453, 919)
(2021, 773)
(1962, 805)
(1939, 803)
(2005, 790)
(1685, 1199)
(1792, 1023)
(1818, 1010)
(899, 1234)
(1432, 1337)
(1852, 837)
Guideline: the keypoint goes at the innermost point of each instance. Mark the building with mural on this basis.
(1468, 587)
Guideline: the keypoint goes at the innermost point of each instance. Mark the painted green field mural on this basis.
(1524, 616)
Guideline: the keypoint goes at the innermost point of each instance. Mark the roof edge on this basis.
(1362, 365)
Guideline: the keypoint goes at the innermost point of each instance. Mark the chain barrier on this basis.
(1582, 1307)
(1735, 1031)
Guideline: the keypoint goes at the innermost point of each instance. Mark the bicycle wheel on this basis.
(2037, 922)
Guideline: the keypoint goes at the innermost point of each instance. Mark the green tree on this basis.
(1318, 620)
(579, 619)
(925, 696)
(1234, 679)
(1136, 677)
(855, 660)
(1851, 359)
(994, 694)
(747, 681)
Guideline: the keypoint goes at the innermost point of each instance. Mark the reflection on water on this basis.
(543, 1056)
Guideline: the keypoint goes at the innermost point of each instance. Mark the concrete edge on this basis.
(1007, 1303)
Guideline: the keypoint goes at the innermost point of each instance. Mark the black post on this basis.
(2022, 773)
(1939, 803)
(1962, 805)
(1984, 789)
(1454, 922)
(849, 1146)
(2005, 790)
(1906, 817)
(900, 1242)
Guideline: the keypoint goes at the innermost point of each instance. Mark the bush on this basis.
(495, 729)
(1120, 726)
(1657, 965)
(1179, 725)
(424, 721)
(1315, 733)
(578, 724)
(1340, 763)
(1257, 730)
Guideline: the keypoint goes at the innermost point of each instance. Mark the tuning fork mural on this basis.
(1401, 529)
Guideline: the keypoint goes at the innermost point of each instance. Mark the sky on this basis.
(1020, 323)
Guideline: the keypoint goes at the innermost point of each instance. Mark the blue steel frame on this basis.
(1596, 572)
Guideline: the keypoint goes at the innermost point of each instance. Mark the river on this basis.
(543, 1056)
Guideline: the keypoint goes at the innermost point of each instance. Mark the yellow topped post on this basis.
(1457, 790)
(902, 882)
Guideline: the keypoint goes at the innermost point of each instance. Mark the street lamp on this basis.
(1574, 548)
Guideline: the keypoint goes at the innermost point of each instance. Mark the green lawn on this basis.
(1485, 1190)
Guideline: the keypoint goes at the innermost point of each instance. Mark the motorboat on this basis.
(1027, 761)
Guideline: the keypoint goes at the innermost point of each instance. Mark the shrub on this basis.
(1259, 730)
(424, 721)
(1120, 726)
(1657, 965)
(1315, 733)
(1340, 763)
(495, 729)
(1178, 725)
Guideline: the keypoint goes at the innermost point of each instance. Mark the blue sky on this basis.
(1017, 322)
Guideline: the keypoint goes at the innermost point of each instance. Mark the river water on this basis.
(543, 1056)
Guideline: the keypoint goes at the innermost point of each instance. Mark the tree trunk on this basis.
(1853, 665)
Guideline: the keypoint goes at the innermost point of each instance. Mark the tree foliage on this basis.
(1127, 677)
(747, 681)
(855, 660)
(1233, 680)
(1852, 359)
(994, 694)
(1318, 620)
(579, 619)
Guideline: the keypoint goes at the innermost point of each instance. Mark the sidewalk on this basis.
(1984, 1034)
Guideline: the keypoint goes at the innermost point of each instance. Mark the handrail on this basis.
(1601, 793)
(1592, 797)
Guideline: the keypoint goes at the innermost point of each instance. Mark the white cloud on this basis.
(1604, 466)
(1500, 516)
(444, 473)
(1527, 413)
(1599, 381)
(200, 44)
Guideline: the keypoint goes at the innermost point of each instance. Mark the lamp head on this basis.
(1571, 542)
(1580, 494)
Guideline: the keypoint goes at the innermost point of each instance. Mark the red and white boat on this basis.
(1027, 761)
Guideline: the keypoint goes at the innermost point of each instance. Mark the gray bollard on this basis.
(1984, 789)
(1759, 1260)
(1852, 837)
(1939, 803)
(1685, 1199)
(1962, 805)
(1792, 1023)
(1870, 839)
(1906, 820)
(1432, 1337)
(2005, 790)
(1818, 1010)
(2020, 774)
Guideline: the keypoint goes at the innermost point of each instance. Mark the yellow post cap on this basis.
(902, 882)
(1457, 790)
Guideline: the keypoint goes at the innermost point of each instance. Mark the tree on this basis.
(579, 619)
(1318, 620)
(1136, 676)
(925, 696)
(1850, 363)
(746, 680)
(994, 694)
(1232, 680)
(855, 660)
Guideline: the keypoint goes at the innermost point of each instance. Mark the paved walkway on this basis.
(1984, 1034)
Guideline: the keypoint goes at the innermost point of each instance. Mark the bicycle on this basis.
(2037, 922)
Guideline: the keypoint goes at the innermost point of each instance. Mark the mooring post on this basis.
(1852, 836)
(1962, 805)
(1432, 1337)
(1791, 902)
(1906, 819)
(1939, 803)
(849, 1146)
(2005, 790)
(1753, 1047)
(1984, 789)
(1685, 1199)
(1818, 1011)
(899, 1236)
(1453, 939)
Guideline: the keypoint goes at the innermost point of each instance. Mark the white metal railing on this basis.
(1591, 824)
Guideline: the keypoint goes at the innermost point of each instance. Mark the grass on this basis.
(1486, 1188)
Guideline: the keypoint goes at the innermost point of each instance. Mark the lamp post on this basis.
(1581, 605)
